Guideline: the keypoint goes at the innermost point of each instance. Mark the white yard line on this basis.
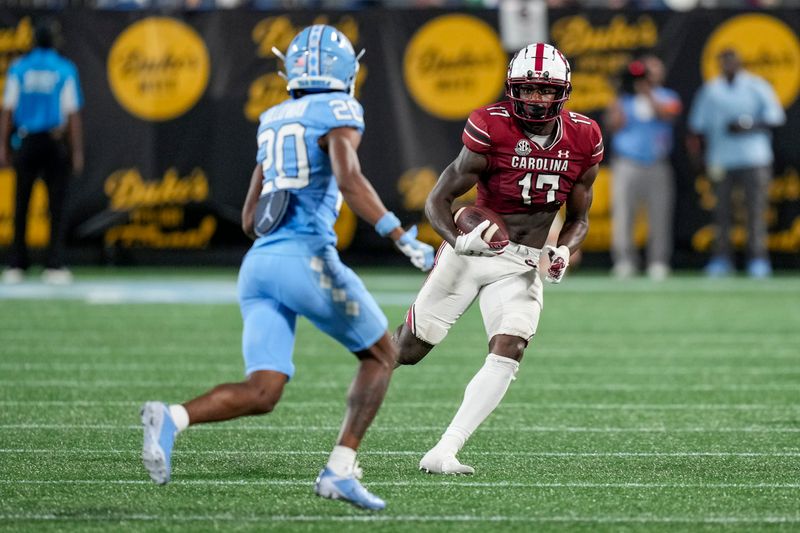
(425, 481)
(236, 453)
(113, 290)
(607, 387)
(632, 370)
(388, 518)
(389, 429)
(399, 403)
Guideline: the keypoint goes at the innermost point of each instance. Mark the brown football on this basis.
(466, 218)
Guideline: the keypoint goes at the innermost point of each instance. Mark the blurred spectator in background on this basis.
(41, 101)
(731, 118)
(641, 120)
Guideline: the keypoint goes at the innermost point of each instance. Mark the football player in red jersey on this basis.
(528, 157)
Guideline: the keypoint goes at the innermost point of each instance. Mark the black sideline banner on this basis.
(172, 104)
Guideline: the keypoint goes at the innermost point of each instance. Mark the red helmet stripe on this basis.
(538, 57)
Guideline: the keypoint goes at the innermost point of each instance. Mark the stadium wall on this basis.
(172, 104)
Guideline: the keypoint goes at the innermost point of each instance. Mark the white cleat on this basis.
(349, 489)
(436, 462)
(13, 276)
(57, 276)
(159, 438)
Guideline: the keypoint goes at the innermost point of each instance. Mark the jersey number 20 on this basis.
(276, 152)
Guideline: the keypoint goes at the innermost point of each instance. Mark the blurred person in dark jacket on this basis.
(41, 104)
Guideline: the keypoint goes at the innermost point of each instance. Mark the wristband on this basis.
(387, 223)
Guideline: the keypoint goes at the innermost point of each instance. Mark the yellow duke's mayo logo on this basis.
(37, 234)
(157, 210)
(454, 64)
(782, 221)
(768, 48)
(158, 68)
(14, 41)
(597, 51)
(414, 185)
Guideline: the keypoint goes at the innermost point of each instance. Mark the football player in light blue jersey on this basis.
(306, 165)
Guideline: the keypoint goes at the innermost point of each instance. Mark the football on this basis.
(466, 218)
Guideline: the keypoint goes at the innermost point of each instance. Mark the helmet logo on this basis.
(299, 67)
(523, 147)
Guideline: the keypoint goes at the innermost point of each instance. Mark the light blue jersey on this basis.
(42, 89)
(292, 160)
(295, 269)
(645, 137)
(718, 103)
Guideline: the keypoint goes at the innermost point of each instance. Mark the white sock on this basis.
(342, 461)
(179, 416)
(481, 397)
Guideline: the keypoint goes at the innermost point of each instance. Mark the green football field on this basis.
(638, 407)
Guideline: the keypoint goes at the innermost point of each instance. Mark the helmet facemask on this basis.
(537, 110)
(543, 66)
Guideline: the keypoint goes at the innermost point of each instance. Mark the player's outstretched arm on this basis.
(575, 228)
(355, 187)
(458, 178)
(250, 202)
(359, 194)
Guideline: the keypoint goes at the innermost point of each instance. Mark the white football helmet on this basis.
(540, 64)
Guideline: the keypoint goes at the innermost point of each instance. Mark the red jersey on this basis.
(523, 176)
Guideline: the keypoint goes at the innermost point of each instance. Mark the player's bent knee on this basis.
(264, 401)
(264, 389)
(383, 352)
(410, 349)
(509, 346)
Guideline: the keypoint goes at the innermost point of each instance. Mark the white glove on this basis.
(559, 261)
(420, 254)
(473, 244)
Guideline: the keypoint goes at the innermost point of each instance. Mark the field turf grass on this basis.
(638, 407)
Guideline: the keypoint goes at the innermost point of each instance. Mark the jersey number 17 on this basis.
(548, 182)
